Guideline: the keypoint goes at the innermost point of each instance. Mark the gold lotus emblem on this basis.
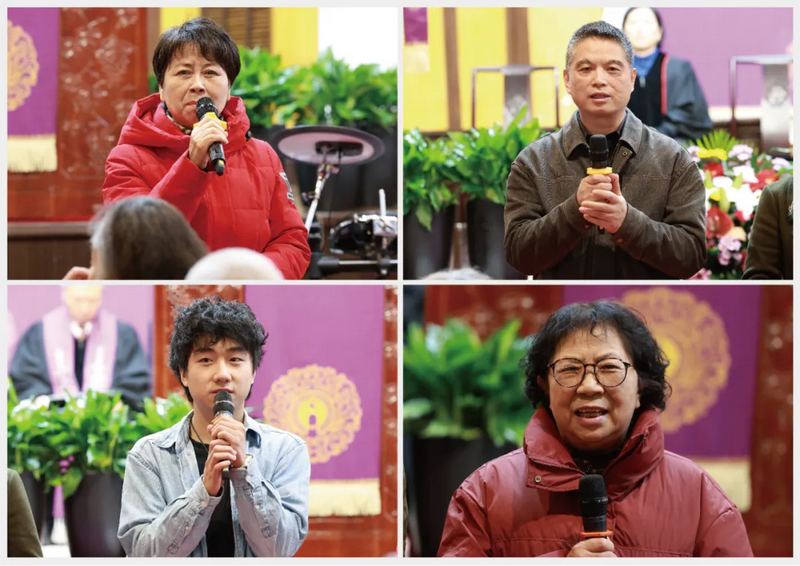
(320, 405)
(692, 335)
(23, 66)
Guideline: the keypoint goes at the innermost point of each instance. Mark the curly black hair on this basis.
(209, 320)
(647, 357)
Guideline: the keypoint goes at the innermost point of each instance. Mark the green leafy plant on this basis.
(271, 93)
(483, 157)
(162, 414)
(327, 92)
(358, 97)
(93, 432)
(457, 385)
(28, 434)
(428, 176)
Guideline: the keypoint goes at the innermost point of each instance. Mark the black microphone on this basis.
(215, 154)
(598, 151)
(223, 407)
(594, 505)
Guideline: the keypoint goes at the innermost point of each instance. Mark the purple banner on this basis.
(415, 25)
(33, 50)
(711, 335)
(129, 303)
(324, 357)
(709, 37)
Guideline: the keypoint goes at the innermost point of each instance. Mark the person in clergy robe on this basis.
(668, 96)
(80, 346)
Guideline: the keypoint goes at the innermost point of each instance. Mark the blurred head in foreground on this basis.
(234, 264)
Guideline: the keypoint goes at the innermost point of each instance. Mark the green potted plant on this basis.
(483, 159)
(29, 451)
(463, 406)
(93, 434)
(429, 199)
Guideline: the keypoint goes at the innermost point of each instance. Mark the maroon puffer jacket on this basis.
(526, 502)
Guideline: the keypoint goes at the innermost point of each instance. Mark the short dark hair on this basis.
(145, 238)
(207, 321)
(211, 40)
(603, 30)
(647, 357)
(655, 13)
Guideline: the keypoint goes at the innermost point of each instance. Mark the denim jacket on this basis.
(166, 508)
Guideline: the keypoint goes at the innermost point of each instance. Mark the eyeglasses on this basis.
(569, 372)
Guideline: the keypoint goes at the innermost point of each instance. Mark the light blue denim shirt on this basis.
(166, 508)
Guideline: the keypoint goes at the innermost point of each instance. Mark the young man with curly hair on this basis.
(176, 500)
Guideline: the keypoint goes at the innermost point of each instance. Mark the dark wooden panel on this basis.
(769, 520)
(248, 27)
(102, 71)
(47, 251)
(488, 307)
(517, 36)
(451, 70)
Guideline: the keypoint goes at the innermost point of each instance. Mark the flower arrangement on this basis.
(734, 176)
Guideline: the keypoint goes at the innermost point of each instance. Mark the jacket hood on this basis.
(549, 459)
(148, 125)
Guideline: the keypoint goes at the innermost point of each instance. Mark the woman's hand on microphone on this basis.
(220, 456)
(232, 433)
(207, 131)
(593, 548)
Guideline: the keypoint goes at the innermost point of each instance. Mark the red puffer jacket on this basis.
(250, 206)
(526, 502)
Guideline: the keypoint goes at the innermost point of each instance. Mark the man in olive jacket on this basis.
(646, 220)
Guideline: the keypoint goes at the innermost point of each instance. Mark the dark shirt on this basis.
(646, 101)
(612, 138)
(80, 355)
(219, 534)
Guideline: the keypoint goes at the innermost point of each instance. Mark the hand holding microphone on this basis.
(208, 135)
(599, 197)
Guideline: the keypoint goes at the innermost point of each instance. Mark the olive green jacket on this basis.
(23, 539)
(769, 252)
(662, 237)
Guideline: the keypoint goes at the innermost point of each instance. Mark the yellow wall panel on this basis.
(425, 94)
(549, 31)
(481, 42)
(295, 35)
(176, 16)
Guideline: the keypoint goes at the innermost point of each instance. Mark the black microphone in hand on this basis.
(598, 152)
(215, 154)
(594, 506)
(223, 407)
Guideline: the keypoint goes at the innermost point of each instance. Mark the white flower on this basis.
(693, 149)
(722, 182)
(779, 163)
(741, 152)
(748, 173)
(744, 199)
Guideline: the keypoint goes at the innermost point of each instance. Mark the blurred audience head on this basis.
(143, 238)
(644, 28)
(464, 274)
(82, 301)
(234, 264)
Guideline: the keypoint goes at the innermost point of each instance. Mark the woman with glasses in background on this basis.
(596, 378)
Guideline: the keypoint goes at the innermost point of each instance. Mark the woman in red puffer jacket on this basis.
(602, 420)
(163, 152)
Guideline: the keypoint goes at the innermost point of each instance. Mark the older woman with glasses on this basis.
(596, 377)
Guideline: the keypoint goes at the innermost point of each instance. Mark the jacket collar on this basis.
(573, 135)
(551, 467)
(178, 435)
